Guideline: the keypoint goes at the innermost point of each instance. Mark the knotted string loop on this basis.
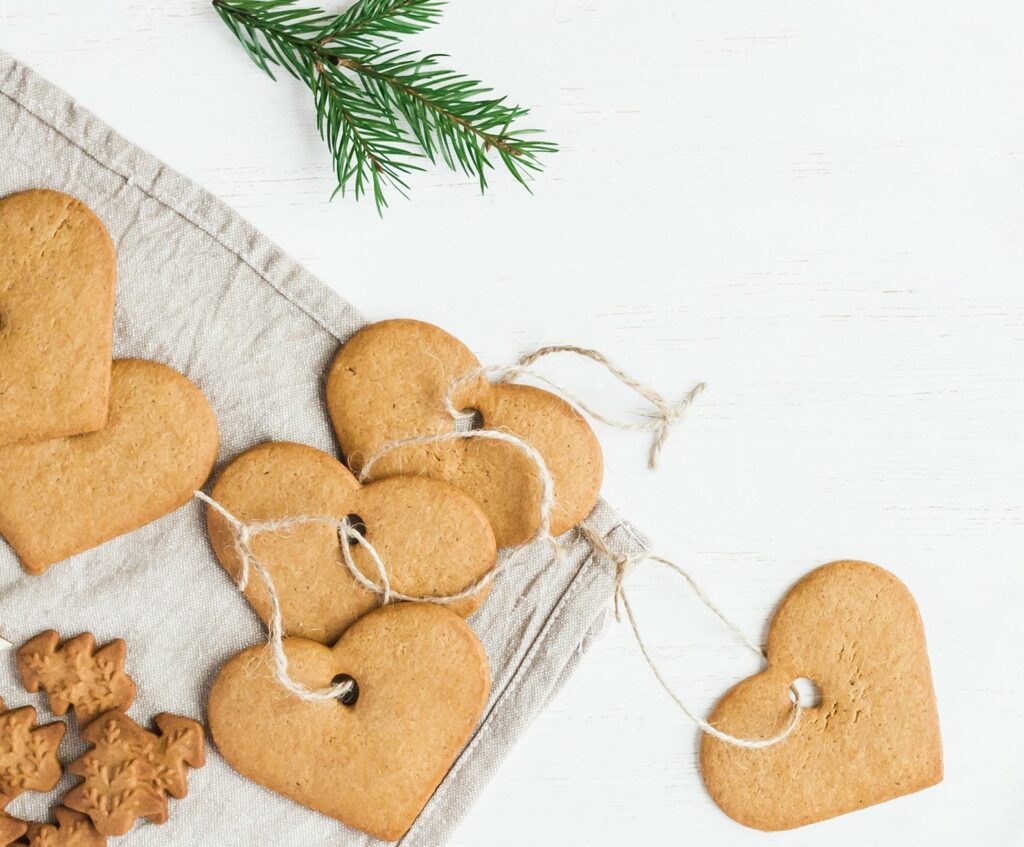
(662, 416)
(244, 533)
(624, 562)
(659, 419)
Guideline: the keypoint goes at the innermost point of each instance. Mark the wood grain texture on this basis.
(817, 209)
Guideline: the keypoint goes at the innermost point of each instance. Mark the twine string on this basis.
(659, 419)
(547, 499)
(244, 532)
(243, 535)
(623, 565)
(662, 416)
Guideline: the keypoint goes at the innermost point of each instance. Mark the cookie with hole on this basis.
(373, 759)
(433, 539)
(853, 630)
(390, 381)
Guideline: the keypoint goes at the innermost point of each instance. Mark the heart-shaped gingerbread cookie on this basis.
(433, 539)
(66, 495)
(422, 680)
(854, 630)
(389, 381)
(57, 277)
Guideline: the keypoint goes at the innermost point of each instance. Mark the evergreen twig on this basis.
(381, 109)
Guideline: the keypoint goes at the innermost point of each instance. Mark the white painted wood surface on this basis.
(816, 207)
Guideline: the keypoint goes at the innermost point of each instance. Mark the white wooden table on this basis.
(816, 207)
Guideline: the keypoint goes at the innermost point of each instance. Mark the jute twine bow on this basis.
(660, 419)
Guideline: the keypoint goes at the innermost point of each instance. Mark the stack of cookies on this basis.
(92, 447)
(359, 705)
(127, 773)
(436, 514)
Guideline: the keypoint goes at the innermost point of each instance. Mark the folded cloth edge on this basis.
(582, 610)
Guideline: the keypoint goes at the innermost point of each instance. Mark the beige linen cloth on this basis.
(202, 291)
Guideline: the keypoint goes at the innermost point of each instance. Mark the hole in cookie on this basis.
(805, 692)
(469, 419)
(349, 697)
(358, 524)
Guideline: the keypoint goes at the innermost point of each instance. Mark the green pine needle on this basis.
(380, 109)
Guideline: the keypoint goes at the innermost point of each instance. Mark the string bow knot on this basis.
(624, 563)
(659, 419)
(666, 415)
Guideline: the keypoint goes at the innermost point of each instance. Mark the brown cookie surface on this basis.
(853, 629)
(130, 771)
(433, 539)
(76, 674)
(11, 829)
(72, 829)
(63, 496)
(28, 754)
(57, 280)
(389, 381)
(423, 681)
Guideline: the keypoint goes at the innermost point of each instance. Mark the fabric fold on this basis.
(201, 290)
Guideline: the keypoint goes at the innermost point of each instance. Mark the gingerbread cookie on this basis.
(61, 497)
(72, 829)
(854, 630)
(77, 674)
(11, 829)
(129, 772)
(28, 754)
(57, 278)
(433, 539)
(389, 381)
(422, 682)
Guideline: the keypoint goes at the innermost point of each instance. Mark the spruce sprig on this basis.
(382, 109)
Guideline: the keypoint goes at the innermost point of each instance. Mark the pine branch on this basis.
(366, 149)
(449, 114)
(384, 19)
(378, 108)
